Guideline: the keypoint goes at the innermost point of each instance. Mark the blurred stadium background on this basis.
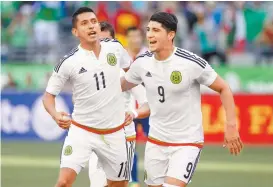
(238, 36)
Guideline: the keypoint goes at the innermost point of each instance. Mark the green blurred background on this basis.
(29, 164)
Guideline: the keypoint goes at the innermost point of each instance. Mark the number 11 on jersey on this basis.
(97, 80)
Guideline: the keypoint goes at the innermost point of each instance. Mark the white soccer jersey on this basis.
(95, 83)
(173, 93)
(138, 93)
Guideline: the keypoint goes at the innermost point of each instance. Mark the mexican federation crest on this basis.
(68, 150)
(176, 77)
(111, 59)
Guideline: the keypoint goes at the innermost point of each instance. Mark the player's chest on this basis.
(171, 78)
(91, 68)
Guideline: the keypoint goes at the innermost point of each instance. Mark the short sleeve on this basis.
(133, 75)
(139, 94)
(207, 75)
(58, 79)
(126, 60)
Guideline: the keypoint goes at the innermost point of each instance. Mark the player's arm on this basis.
(54, 86)
(210, 78)
(143, 111)
(232, 137)
(139, 94)
(125, 85)
(132, 77)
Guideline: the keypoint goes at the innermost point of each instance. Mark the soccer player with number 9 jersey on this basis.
(172, 78)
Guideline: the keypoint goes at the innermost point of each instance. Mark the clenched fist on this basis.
(62, 119)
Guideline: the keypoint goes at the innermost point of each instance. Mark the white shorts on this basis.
(110, 149)
(96, 174)
(173, 161)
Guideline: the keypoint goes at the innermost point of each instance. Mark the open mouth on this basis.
(152, 42)
(92, 33)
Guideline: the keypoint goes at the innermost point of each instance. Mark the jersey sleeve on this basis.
(126, 60)
(58, 79)
(207, 75)
(139, 94)
(133, 75)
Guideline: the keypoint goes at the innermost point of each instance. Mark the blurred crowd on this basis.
(221, 32)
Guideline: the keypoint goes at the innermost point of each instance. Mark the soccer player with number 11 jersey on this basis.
(93, 68)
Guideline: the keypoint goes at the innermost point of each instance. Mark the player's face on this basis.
(87, 27)
(135, 39)
(105, 34)
(158, 37)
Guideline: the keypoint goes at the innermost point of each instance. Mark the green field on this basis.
(30, 164)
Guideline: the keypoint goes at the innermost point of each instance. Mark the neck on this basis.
(95, 47)
(165, 53)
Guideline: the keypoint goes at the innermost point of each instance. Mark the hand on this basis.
(62, 120)
(129, 117)
(232, 139)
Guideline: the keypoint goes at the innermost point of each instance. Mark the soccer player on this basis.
(172, 78)
(93, 68)
(96, 173)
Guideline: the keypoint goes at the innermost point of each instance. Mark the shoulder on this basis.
(144, 55)
(67, 59)
(142, 58)
(108, 41)
(112, 45)
(190, 58)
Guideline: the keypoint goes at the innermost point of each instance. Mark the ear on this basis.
(74, 32)
(171, 35)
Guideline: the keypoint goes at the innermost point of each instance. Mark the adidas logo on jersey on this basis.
(82, 70)
(148, 74)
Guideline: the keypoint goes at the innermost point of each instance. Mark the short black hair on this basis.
(169, 21)
(105, 26)
(78, 12)
(131, 29)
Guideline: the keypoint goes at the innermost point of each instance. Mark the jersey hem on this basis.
(162, 143)
(99, 131)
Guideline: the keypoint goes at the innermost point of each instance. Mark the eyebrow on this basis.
(153, 28)
(90, 19)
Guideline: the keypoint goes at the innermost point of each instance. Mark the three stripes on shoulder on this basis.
(109, 40)
(147, 53)
(71, 53)
(190, 56)
(183, 54)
